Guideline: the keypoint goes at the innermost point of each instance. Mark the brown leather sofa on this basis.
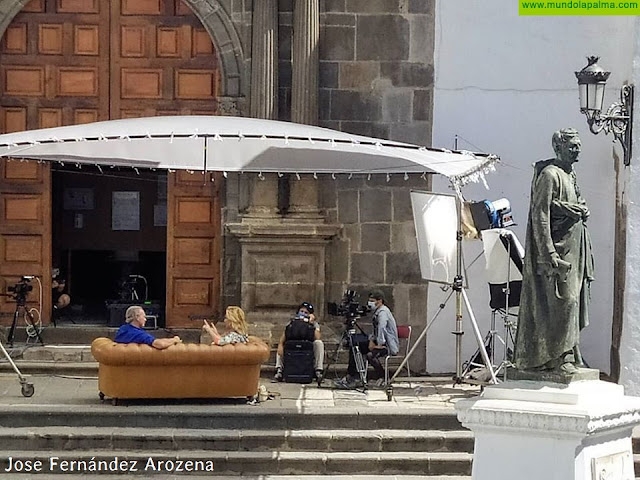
(187, 370)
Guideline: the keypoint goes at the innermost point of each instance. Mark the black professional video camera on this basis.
(349, 308)
(21, 289)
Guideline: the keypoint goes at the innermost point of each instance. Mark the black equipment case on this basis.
(298, 361)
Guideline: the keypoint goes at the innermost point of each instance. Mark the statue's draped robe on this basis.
(553, 309)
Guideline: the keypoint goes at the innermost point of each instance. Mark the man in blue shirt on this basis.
(382, 342)
(133, 331)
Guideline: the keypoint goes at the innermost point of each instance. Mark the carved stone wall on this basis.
(376, 67)
(377, 244)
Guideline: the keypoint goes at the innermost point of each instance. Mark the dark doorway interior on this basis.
(109, 242)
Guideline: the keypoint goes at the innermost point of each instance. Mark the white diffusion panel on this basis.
(436, 220)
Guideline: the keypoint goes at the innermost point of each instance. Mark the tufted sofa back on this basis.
(107, 352)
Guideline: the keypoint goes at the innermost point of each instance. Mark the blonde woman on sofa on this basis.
(237, 330)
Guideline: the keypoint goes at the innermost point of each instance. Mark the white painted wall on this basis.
(504, 83)
(630, 343)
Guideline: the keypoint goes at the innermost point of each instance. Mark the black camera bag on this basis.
(299, 330)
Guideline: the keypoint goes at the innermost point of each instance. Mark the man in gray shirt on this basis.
(382, 342)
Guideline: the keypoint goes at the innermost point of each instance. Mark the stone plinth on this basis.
(541, 430)
(554, 376)
(283, 264)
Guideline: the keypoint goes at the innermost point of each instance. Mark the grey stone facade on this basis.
(375, 78)
(376, 67)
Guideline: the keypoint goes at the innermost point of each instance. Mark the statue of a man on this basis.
(558, 265)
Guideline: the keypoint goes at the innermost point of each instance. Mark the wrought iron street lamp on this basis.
(619, 116)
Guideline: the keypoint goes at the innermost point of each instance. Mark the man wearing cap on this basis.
(382, 342)
(133, 331)
(304, 313)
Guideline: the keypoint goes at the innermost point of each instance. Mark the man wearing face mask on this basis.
(382, 342)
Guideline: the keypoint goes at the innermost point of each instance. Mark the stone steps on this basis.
(196, 476)
(270, 462)
(234, 416)
(247, 442)
(80, 438)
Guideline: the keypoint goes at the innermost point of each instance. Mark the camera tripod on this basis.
(27, 387)
(348, 340)
(21, 306)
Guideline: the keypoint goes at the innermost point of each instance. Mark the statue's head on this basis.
(566, 144)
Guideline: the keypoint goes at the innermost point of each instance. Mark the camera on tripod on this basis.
(349, 308)
(21, 289)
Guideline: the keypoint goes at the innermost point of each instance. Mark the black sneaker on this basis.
(319, 376)
(278, 377)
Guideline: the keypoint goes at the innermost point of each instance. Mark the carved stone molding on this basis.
(583, 408)
(488, 417)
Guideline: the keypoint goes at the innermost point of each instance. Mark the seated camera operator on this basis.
(60, 299)
(305, 314)
(382, 342)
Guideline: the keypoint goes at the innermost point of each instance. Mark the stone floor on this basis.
(429, 392)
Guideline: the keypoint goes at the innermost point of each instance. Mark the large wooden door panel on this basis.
(25, 231)
(193, 245)
(161, 62)
(55, 64)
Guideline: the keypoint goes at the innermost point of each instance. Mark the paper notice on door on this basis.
(125, 211)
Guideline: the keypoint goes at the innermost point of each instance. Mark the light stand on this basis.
(507, 239)
(457, 287)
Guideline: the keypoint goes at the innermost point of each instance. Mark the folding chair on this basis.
(404, 333)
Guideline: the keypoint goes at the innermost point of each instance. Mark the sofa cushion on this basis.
(107, 352)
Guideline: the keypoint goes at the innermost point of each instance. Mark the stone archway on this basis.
(215, 20)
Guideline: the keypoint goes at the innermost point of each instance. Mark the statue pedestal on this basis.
(540, 430)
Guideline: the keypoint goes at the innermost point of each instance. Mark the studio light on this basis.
(487, 214)
(619, 116)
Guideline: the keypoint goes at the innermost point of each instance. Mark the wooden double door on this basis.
(65, 62)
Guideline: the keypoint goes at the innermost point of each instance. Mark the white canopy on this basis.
(234, 144)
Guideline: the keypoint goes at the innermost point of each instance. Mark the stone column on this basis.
(263, 192)
(263, 197)
(306, 37)
(304, 198)
(304, 95)
(264, 60)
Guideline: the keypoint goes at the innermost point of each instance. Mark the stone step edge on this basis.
(302, 456)
(223, 432)
(378, 476)
(442, 463)
(69, 438)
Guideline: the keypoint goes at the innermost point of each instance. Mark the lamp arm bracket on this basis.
(618, 120)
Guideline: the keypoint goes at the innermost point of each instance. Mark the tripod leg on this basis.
(478, 336)
(12, 330)
(360, 364)
(416, 343)
(334, 360)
